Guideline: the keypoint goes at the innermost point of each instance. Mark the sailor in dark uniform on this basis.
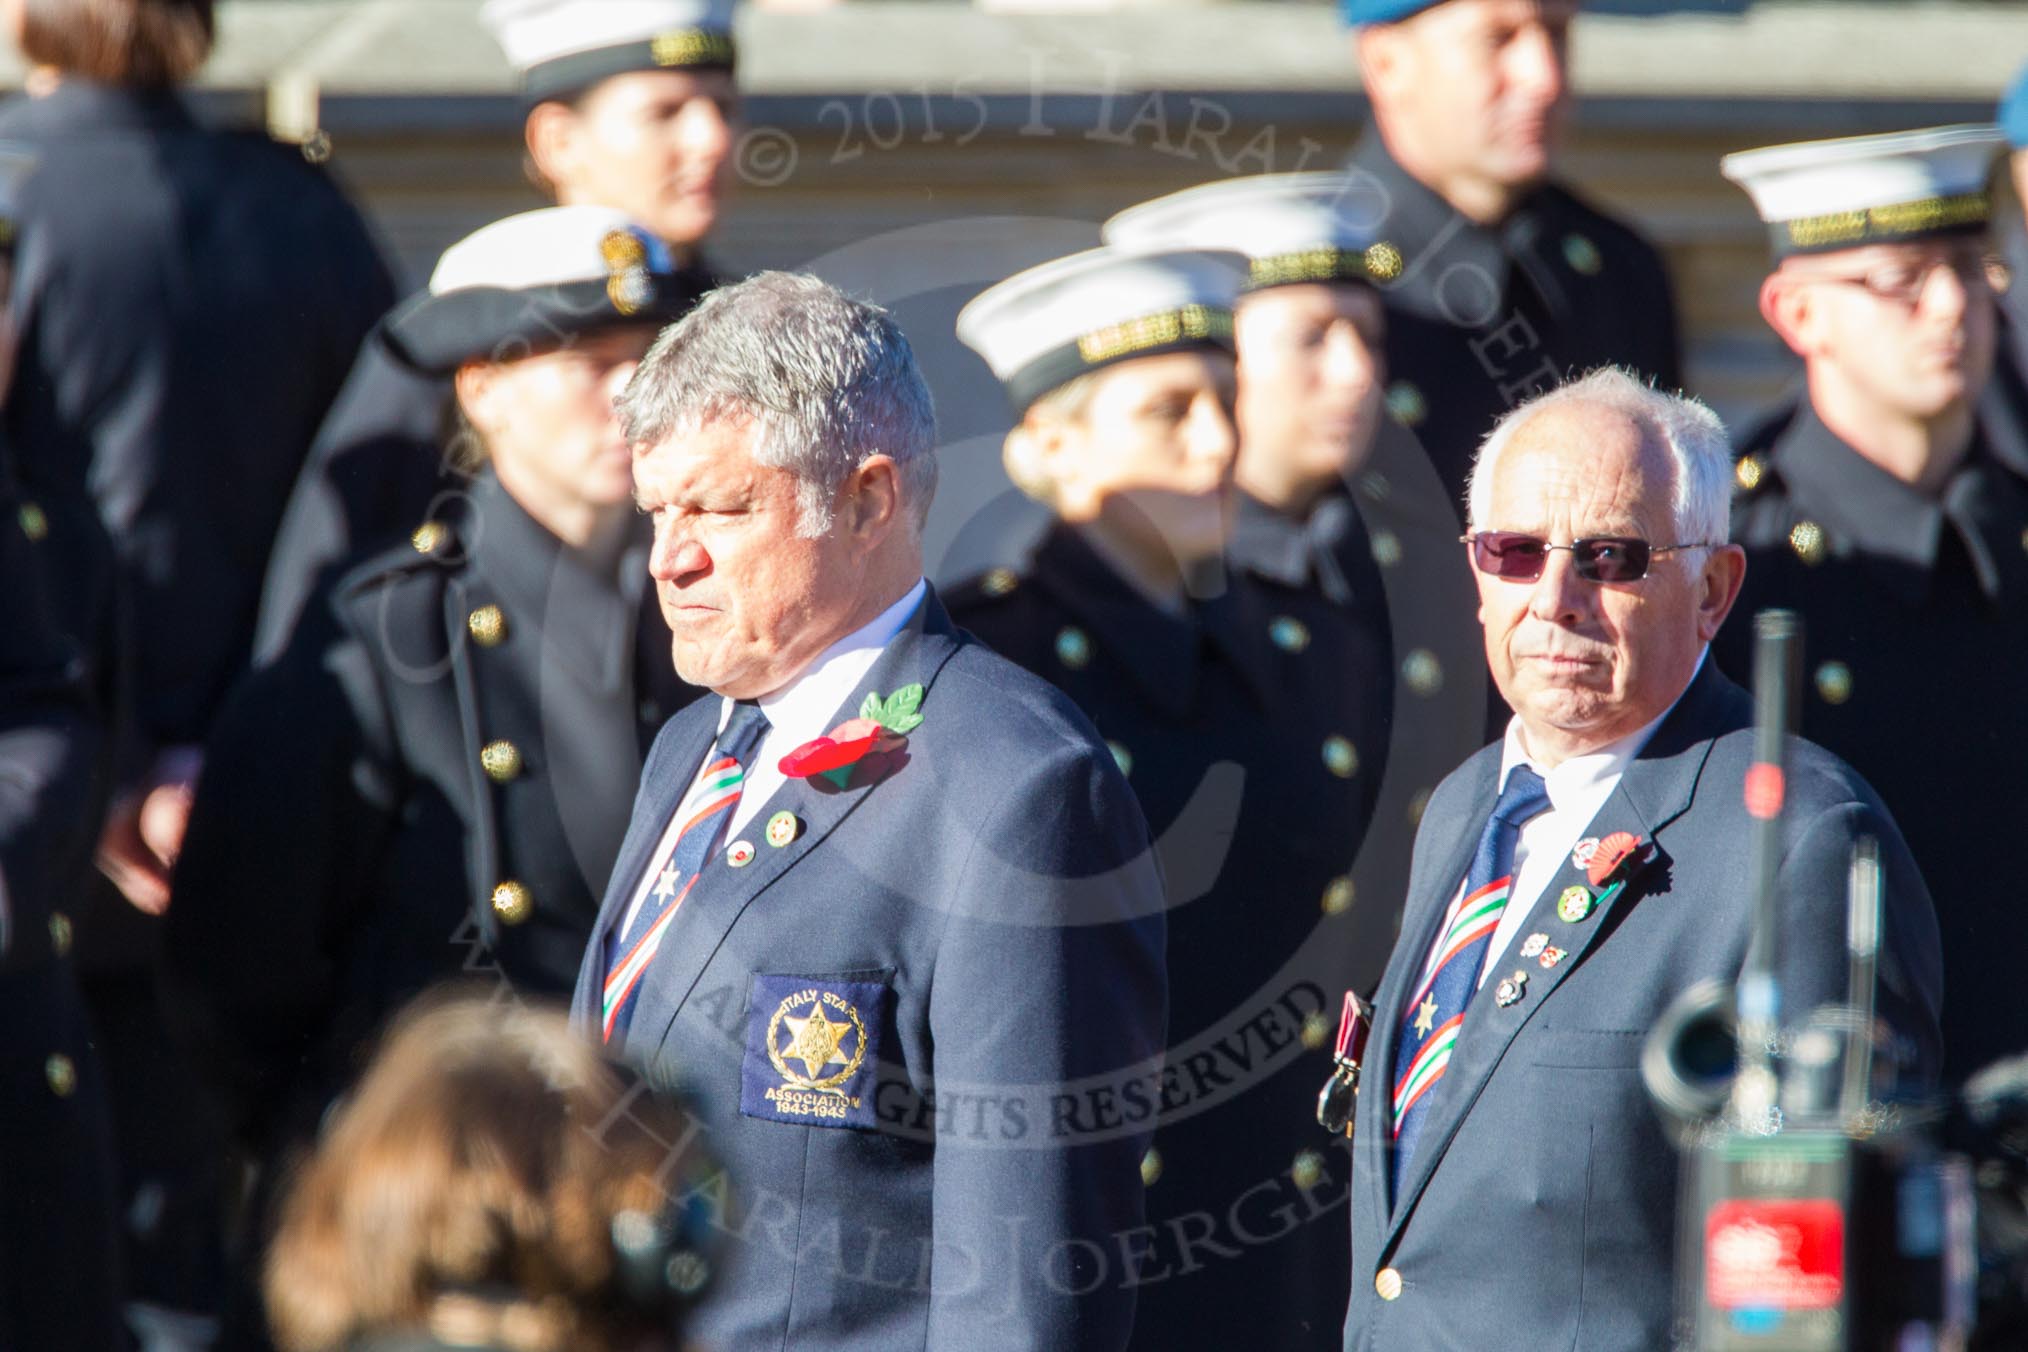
(1254, 757)
(1890, 508)
(630, 106)
(434, 777)
(1501, 279)
(188, 300)
(59, 1249)
(1348, 539)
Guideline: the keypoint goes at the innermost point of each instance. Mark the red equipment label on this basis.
(1777, 1254)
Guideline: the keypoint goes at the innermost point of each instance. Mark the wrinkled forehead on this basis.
(1584, 470)
(695, 457)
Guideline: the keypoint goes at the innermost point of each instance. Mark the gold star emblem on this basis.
(814, 1040)
(1425, 1017)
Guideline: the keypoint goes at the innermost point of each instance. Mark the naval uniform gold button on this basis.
(1807, 540)
(429, 537)
(1383, 261)
(1151, 1167)
(1417, 805)
(34, 521)
(1316, 1032)
(1339, 757)
(1406, 404)
(999, 582)
(501, 760)
(1073, 648)
(487, 626)
(1288, 633)
(1387, 1284)
(1582, 255)
(61, 1074)
(1423, 673)
(1338, 895)
(513, 902)
(59, 933)
(1747, 473)
(1834, 682)
(1307, 1170)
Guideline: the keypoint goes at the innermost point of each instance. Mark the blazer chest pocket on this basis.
(1588, 1048)
(813, 1047)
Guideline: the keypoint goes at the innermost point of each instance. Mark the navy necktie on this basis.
(1431, 1021)
(707, 806)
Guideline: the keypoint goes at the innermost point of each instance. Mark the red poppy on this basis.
(842, 747)
(1617, 851)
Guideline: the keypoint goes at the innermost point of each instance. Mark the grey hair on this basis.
(1698, 447)
(831, 381)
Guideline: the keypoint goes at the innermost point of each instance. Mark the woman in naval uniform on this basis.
(434, 777)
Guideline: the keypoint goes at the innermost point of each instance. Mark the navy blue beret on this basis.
(2013, 110)
(1356, 12)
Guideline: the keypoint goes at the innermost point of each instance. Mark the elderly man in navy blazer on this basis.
(1512, 1186)
(886, 908)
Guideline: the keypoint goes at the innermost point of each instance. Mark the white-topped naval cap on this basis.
(536, 281)
(1312, 227)
(1856, 190)
(549, 247)
(565, 45)
(1050, 324)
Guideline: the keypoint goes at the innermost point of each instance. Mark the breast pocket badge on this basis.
(812, 1050)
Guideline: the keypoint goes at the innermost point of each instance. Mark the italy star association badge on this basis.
(812, 1045)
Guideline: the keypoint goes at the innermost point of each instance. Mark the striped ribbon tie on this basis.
(1433, 1018)
(1473, 920)
(704, 812)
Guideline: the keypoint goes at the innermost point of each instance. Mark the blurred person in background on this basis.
(492, 1183)
(187, 301)
(435, 775)
(1307, 327)
(2012, 234)
(1252, 738)
(59, 1240)
(1499, 280)
(632, 106)
(1889, 506)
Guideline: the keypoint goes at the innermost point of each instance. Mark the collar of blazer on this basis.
(1657, 789)
(914, 656)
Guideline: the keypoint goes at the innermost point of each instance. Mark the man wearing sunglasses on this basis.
(1512, 1186)
(1890, 507)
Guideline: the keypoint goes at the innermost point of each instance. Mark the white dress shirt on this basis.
(798, 712)
(1578, 788)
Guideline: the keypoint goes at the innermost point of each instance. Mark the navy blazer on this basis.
(982, 909)
(1539, 1209)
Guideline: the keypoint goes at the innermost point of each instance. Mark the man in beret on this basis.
(1503, 280)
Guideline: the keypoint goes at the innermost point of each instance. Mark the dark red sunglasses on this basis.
(1515, 557)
